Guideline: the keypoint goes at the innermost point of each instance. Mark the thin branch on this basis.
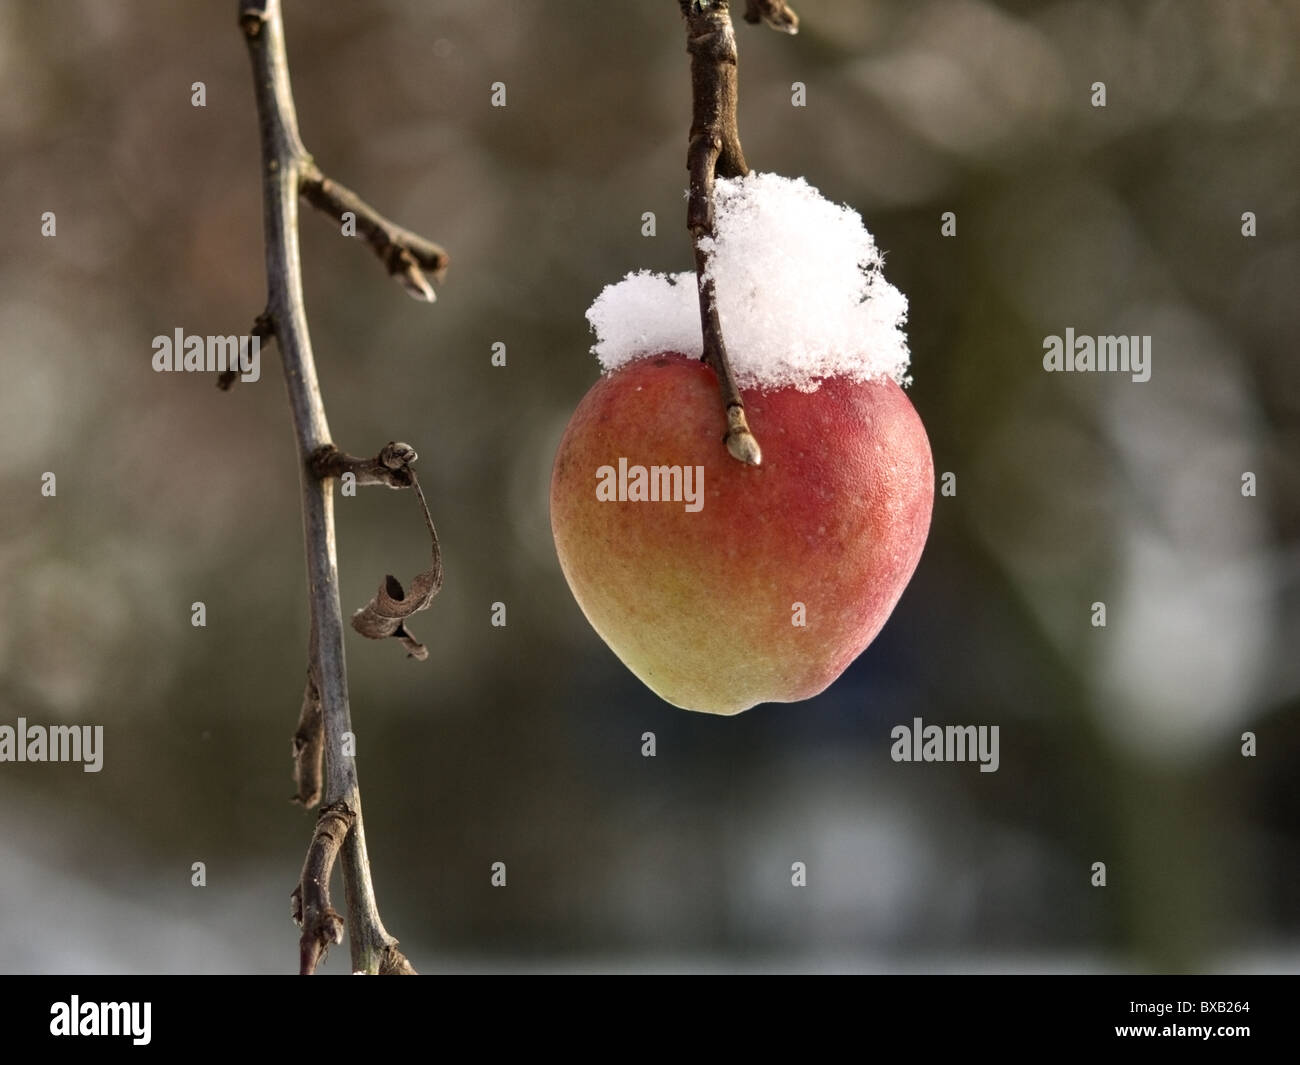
(264, 331)
(369, 940)
(312, 912)
(714, 152)
(391, 467)
(405, 255)
(285, 163)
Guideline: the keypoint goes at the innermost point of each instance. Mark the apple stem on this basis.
(739, 440)
(715, 152)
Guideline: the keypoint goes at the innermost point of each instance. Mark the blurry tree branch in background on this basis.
(715, 152)
(324, 721)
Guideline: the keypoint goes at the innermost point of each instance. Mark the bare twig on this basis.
(391, 467)
(321, 925)
(405, 254)
(714, 151)
(263, 330)
(286, 166)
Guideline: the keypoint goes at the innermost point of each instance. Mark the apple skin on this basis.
(700, 605)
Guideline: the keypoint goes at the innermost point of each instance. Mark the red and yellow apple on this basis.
(777, 576)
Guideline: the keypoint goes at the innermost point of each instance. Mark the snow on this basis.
(800, 292)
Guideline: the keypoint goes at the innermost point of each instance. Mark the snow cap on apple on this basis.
(722, 585)
(800, 294)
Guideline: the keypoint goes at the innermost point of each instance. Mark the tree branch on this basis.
(715, 151)
(286, 168)
(404, 254)
(391, 467)
(312, 912)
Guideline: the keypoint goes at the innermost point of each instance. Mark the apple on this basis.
(723, 585)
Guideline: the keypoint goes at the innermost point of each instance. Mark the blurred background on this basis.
(523, 744)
